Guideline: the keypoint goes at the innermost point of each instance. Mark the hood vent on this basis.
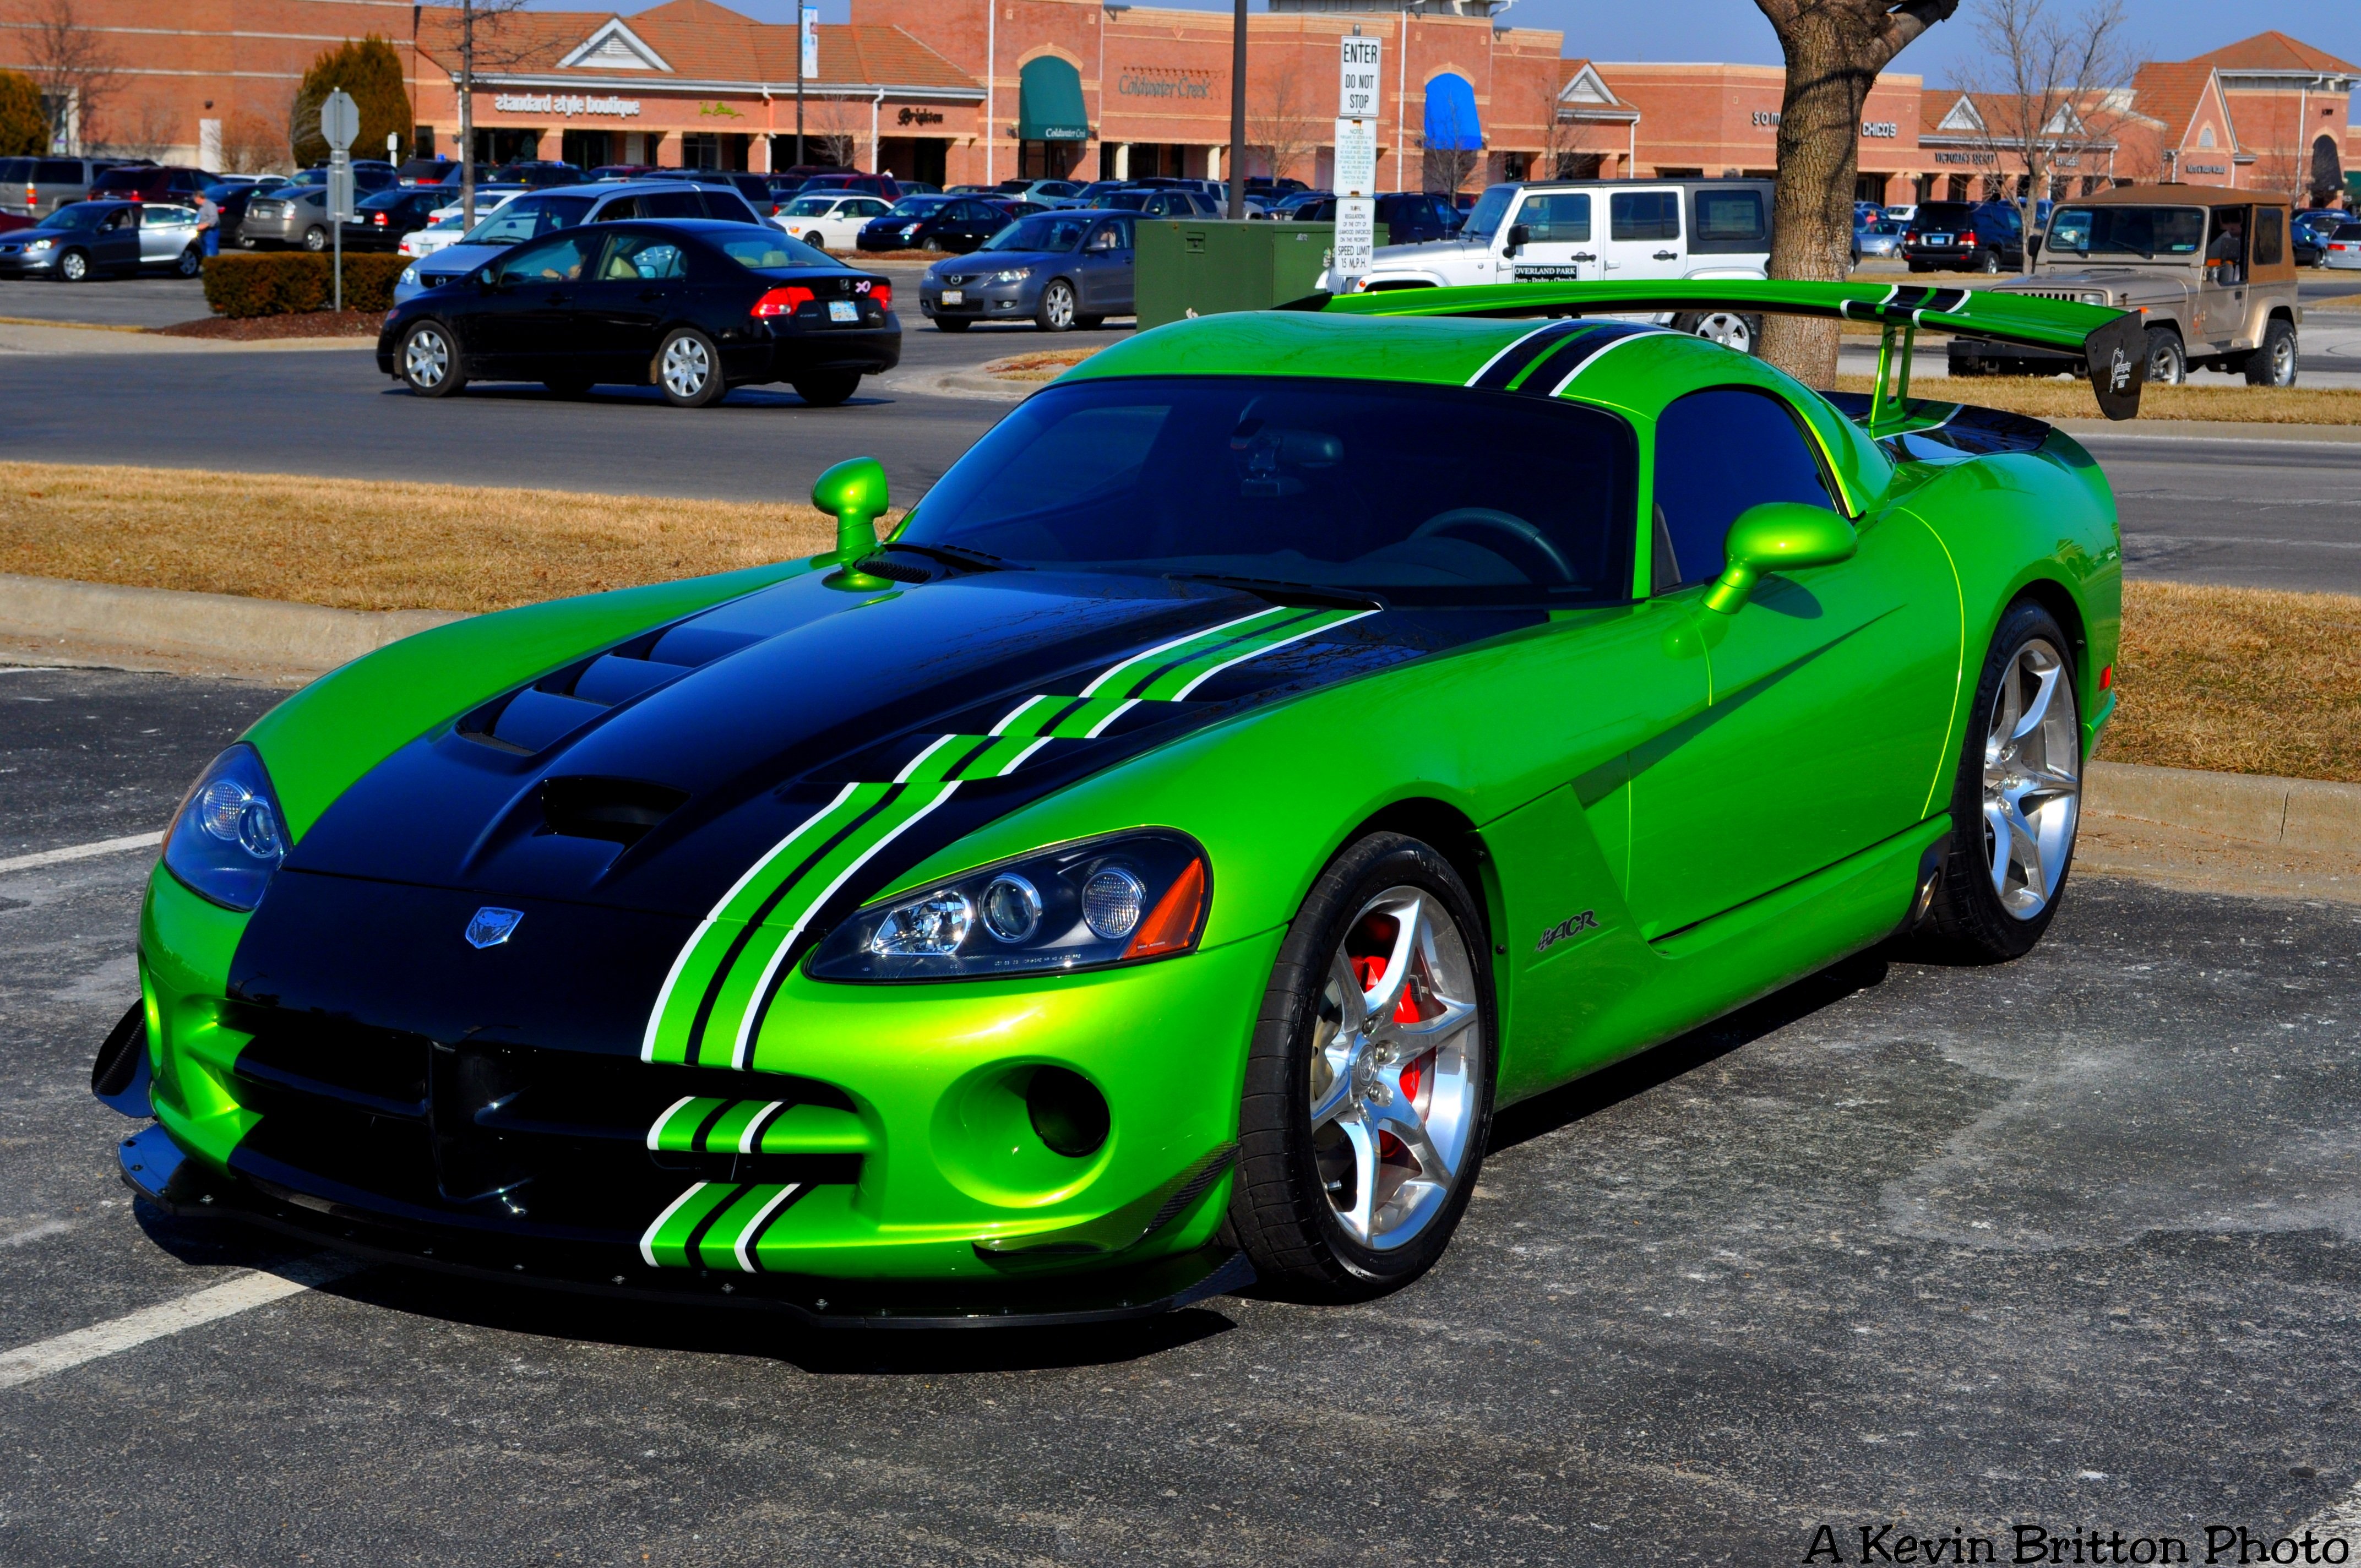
(541, 715)
(621, 811)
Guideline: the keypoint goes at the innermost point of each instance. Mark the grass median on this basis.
(2236, 679)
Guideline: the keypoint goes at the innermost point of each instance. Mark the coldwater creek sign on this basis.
(563, 103)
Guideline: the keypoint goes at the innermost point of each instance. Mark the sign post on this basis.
(340, 122)
(1357, 103)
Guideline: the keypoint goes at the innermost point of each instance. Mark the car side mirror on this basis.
(1777, 536)
(1520, 237)
(853, 492)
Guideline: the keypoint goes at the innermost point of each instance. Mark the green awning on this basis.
(1050, 105)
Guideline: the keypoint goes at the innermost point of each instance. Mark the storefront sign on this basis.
(718, 111)
(910, 117)
(1981, 159)
(2206, 168)
(1768, 120)
(564, 106)
(1357, 87)
(1164, 82)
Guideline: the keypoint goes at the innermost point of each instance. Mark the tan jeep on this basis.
(2210, 268)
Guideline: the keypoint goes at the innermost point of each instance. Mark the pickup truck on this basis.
(1609, 230)
(2210, 269)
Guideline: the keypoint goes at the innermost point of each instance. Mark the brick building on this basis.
(2249, 115)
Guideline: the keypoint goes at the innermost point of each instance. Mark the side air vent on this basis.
(620, 811)
(899, 571)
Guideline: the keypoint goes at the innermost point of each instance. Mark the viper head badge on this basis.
(489, 927)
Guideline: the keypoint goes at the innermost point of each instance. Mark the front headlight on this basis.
(40, 244)
(909, 229)
(410, 277)
(227, 837)
(1120, 899)
(1013, 274)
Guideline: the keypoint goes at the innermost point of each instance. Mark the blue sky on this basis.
(1734, 30)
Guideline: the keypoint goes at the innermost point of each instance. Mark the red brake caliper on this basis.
(1368, 972)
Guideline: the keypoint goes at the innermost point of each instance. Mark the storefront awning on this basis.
(1049, 105)
(1451, 122)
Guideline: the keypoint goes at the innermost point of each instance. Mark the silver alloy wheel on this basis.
(2033, 780)
(2282, 362)
(315, 239)
(1392, 1088)
(1057, 306)
(425, 358)
(1729, 329)
(74, 265)
(192, 262)
(686, 366)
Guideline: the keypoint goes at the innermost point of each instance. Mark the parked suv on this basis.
(1965, 237)
(36, 187)
(2210, 269)
(1593, 229)
(156, 182)
(538, 212)
(1411, 217)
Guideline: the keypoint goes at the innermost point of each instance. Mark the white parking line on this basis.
(133, 1329)
(27, 669)
(82, 852)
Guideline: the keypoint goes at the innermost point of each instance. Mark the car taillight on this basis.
(1910, 237)
(883, 295)
(1967, 237)
(782, 301)
(380, 220)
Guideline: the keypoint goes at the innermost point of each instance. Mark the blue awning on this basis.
(1451, 122)
(1050, 102)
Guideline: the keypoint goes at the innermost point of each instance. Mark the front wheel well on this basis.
(1453, 836)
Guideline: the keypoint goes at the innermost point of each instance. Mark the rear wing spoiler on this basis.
(2113, 344)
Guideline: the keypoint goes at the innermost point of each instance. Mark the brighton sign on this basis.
(563, 104)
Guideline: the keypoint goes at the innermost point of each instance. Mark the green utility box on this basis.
(1199, 267)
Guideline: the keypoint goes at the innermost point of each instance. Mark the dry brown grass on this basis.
(2341, 302)
(1047, 365)
(2239, 680)
(2053, 398)
(366, 544)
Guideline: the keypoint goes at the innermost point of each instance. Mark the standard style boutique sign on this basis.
(563, 104)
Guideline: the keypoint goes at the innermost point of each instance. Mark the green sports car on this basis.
(1276, 744)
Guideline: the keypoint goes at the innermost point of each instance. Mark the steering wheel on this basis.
(1506, 522)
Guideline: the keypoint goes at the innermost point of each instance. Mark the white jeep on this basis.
(1614, 230)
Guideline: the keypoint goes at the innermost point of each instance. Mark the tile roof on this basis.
(2169, 92)
(700, 40)
(2275, 51)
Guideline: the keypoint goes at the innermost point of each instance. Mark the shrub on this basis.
(278, 283)
(24, 128)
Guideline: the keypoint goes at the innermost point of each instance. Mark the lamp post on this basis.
(1237, 169)
(799, 84)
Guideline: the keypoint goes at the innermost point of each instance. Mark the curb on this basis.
(2309, 816)
(177, 624)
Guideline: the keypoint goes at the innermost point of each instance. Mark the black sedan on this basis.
(933, 222)
(696, 307)
(382, 219)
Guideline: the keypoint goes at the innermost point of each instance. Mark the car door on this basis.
(1103, 269)
(164, 234)
(1558, 245)
(115, 246)
(972, 222)
(842, 226)
(2222, 298)
(1830, 689)
(532, 328)
(1643, 235)
(638, 287)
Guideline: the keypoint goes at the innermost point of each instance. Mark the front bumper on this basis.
(982, 301)
(28, 265)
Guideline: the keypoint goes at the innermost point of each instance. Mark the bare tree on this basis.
(1557, 131)
(2043, 89)
(152, 132)
(836, 124)
(484, 41)
(1281, 123)
(1834, 49)
(251, 144)
(75, 66)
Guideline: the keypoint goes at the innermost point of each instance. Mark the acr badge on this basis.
(489, 928)
(1573, 925)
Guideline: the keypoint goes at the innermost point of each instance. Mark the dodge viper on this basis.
(1279, 743)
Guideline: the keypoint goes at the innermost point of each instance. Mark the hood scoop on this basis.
(535, 717)
(620, 811)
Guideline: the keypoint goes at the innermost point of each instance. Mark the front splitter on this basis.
(154, 1167)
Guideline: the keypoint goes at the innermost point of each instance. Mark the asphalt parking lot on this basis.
(2073, 1241)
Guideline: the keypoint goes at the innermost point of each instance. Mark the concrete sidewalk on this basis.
(22, 336)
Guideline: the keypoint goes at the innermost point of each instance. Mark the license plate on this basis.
(843, 310)
(1938, 239)
(954, 296)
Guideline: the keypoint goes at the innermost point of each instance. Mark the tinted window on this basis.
(1045, 232)
(62, 171)
(729, 207)
(635, 258)
(1644, 214)
(1111, 237)
(16, 170)
(2266, 236)
(1718, 453)
(559, 260)
(672, 204)
(1558, 218)
(623, 209)
(1727, 221)
(764, 252)
(918, 206)
(1942, 215)
(76, 215)
(1423, 493)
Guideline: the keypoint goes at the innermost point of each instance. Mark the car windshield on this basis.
(764, 253)
(918, 206)
(1044, 231)
(77, 216)
(1422, 494)
(1489, 209)
(2145, 231)
(528, 217)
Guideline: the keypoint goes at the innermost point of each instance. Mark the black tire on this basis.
(930, 242)
(1988, 263)
(2273, 362)
(192, 262)
(315, 239)
(428, 362)
(1056, 312)
(568, 387)
(73, 266)
(688, 369)
(826, 389)
(1967, 917)
(953, 323)
(1920, 265)
(1280, 1211)
(2168, 362)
